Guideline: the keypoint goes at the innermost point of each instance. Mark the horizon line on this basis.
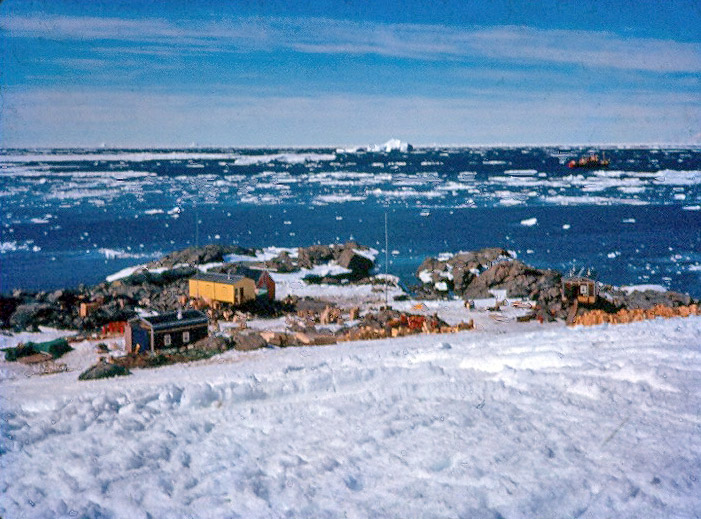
(343, 148)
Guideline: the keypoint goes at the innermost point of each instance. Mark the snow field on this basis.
(585, 422)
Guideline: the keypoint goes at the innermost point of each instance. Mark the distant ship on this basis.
(590, 162)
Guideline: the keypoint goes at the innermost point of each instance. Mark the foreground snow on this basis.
(585, 422)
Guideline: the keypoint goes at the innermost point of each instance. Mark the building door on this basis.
(141, 337)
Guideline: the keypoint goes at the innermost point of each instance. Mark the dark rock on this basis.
(144, 277)
(432, 265)
(248, 341)
(646, 299)
(462, 277)
(360, 266)
(426, 292)
(338, 249)
(308, 257)
(518, 279)
(476, 291)
(32, 315)
(64, 298)
(103, 370)
(483, 258)
(380, 319)
(8, 305)
(282, 263)
(309, 304)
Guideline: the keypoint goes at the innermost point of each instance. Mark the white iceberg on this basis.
(390, 145)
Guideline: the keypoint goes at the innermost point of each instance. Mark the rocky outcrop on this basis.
(32, 315)
(200, 255)
(645, 299)
(476, 274)
(308, 257)
(348, 255)
(518, 279)
(164, 290)
(456, 272)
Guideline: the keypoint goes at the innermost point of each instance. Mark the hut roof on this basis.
(227, 279)
(579, 279)
(251, 273)
(172, 319)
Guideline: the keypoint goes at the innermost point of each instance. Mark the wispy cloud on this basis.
(592, 49)
(412, 41)
(122, 118)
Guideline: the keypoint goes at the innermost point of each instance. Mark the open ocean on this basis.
(73, 216)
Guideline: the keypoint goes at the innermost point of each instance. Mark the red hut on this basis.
(265, 285)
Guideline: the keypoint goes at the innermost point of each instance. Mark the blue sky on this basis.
(269, 73)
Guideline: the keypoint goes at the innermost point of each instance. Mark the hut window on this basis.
(186, 337)
(166, 339)
(584, 290)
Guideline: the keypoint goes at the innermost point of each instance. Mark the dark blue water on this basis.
(73, 217)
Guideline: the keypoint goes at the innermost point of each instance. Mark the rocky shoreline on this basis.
(476, 275)
(162, 284)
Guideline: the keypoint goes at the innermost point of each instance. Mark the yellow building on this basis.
(222, 287)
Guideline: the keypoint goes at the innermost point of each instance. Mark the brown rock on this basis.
(248, 341)
(211, 344)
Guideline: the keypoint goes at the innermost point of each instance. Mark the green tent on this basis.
(55, 348)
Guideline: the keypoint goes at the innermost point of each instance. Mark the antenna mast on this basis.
(197, 226)
(386, 262)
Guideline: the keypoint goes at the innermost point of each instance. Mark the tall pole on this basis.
(386, 262)
(197, 226)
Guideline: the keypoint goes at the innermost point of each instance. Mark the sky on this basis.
(123, 73)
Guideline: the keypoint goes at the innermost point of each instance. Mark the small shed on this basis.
(265, 285)
(167, 330)
(580, 289)
(227, 288)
